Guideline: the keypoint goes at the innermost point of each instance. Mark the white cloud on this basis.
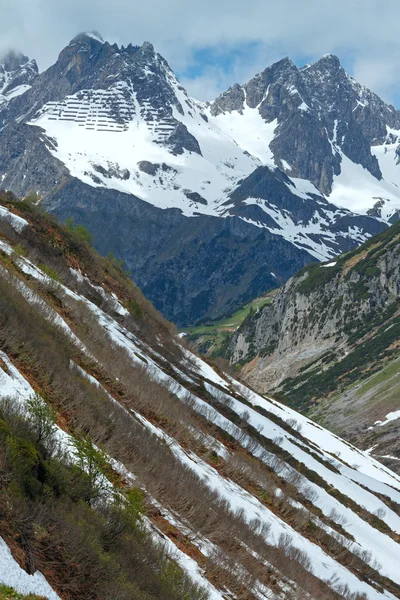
(363, 29)
(380, 74)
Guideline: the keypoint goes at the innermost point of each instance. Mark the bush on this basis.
(80, 231)
(42, 418)
(52, 273)
(102, 553)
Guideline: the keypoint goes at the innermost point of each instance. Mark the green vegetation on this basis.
(382, 383)
(135, 309)
(80, 231)
(302, 389)
(216, 334)
(231, 321)
(317, 277)
(42, 418)
(103, 553)
(52, 273)
(8, 593)
(19, 249)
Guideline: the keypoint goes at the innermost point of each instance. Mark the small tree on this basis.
(80, 231)
(42, 417)
(93, 462)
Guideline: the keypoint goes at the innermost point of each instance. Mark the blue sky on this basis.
(215, 43)
(223, 66)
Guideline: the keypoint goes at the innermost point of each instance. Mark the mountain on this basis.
(329, 342)
(319, 124)
(131, 468)
(193, 197)
(16, 75)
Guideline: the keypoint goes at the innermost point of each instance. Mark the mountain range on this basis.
(209, 205)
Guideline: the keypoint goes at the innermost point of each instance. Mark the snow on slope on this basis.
(249, 130)
(313, 235)
(354, 474)
(13, 385)
(12, 575)
(357, 190)
(16, 222)
(368, 538)
(239, 499)
(98, 150)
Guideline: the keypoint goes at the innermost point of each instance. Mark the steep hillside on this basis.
(199, 200)
(130, 468)
(330, 343)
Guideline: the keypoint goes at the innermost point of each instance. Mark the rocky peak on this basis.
(328, 62)
(16, 71)
(232, 99)
(131, 83)
(147, 49)
(321, 112)
(87, 37)
(12, 61)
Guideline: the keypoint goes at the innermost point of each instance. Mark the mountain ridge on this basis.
(115, 123)
(327, 340)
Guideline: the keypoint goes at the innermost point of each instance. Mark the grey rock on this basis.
(321, 111)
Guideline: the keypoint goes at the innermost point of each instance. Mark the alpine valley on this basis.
(209, 205)
(131, 469)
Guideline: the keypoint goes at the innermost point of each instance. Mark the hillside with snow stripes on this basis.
(308, 514)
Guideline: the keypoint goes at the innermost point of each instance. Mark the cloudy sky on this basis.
(213, 43)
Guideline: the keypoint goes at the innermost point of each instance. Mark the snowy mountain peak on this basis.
(88, 35)
(323, 126)
(17, 72)
(13, 60)
(329, 59)
(117, 122)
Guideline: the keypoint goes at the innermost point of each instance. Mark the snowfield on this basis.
(12, 575)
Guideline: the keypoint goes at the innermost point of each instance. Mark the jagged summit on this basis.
(322, 108)
(108, 121)
(93, 35)
(17, 72)
(329, 59)
(13, 60)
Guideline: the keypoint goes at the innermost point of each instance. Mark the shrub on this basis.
(52, 273)
(42, 418)
(80, 231)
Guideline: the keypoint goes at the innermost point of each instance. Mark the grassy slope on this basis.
(213, 334)
(367, 401)
(47, 363)
(349, 393)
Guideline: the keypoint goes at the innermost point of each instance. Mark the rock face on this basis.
(17, 73)
(203, 222)
(190, 268)
(330, 343)
(321, 317)
(321, 113)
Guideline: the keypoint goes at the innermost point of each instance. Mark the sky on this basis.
(212, 44)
